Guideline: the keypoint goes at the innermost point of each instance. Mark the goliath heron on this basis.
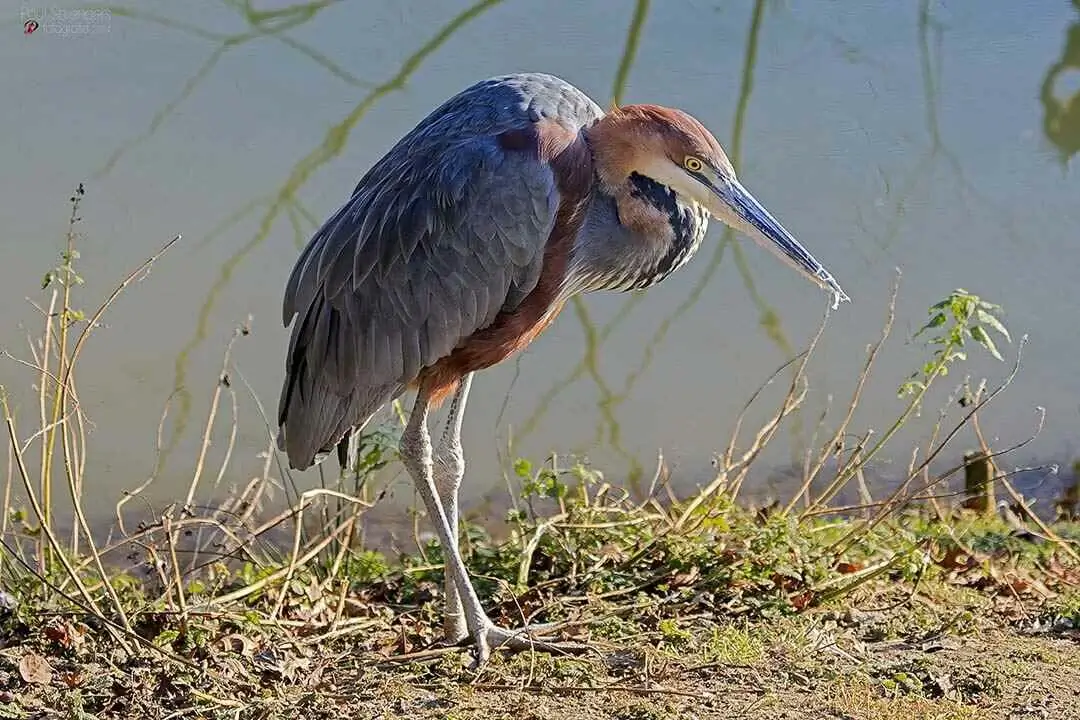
(462, 243)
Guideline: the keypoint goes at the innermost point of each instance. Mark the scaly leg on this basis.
(417, 456)
(448, 470)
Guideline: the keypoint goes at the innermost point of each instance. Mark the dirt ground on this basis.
(998, 674)
(805, 671)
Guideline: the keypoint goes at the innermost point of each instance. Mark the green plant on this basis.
(668, 576)
(958, 317)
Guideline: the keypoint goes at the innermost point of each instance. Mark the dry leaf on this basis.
(1019, 585)
(957, 559)
(35, 669)
(65, 634)
(58, 634)
(73, 679)
(239, 644)
(685, 579)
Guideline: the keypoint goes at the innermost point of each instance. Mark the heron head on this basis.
(673, 148)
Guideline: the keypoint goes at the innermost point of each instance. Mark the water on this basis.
(933, 137)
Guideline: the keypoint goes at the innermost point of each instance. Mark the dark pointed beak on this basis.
(754, 220)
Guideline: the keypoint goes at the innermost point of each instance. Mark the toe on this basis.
(492, 637)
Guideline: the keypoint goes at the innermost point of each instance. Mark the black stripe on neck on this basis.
(656, 194)
(681, 218)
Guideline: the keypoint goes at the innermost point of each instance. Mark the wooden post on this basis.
(1068, 507)
(979, 482)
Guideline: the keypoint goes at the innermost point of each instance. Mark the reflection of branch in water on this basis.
(332, 146)
(932, 100)
(770, 321)
(608, 425)
(231, 219)
(288, 18)
(329, 65)
(262, 23)
(1061, 118)
(574, 375)
(163, 114)
(294, 221)
(846, 49)
(633, 38)
(151, 17)
(931, 36)
(931, 76)
(665, 325)
(590, 361)
(608, 403)
(296, 213)
(307, 215)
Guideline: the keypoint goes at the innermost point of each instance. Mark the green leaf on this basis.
(936, 321)
(963, 309)
(47, 280)
(983, 339)
(910, 388)
(523, 468)
(166, 637)
(987, 319)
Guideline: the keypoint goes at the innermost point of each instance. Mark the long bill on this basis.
(755, 221)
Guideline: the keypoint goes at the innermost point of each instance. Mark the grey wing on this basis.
(438, 237)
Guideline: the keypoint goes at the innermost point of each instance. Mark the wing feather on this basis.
(441, 234)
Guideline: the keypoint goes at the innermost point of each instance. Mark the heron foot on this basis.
(530, 637)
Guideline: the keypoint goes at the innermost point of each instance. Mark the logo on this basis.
(65, 22)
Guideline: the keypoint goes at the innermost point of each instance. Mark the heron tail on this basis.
(313, 420)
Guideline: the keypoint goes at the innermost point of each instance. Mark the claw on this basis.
(492, 637)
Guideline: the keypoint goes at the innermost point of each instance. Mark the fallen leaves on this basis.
(997, 573)
(66, 634)
(35, 670)
(73, 679)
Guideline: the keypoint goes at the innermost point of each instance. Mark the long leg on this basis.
(346, 454)
(449, 469)
(418, 458)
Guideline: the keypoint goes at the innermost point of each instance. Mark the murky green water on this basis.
(930, 136)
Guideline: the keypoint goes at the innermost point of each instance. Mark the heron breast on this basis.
(687, 225)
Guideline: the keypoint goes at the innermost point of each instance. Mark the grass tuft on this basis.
(914, 603)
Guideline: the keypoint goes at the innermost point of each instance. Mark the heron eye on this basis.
(692, 164)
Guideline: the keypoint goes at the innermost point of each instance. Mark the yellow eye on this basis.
(692, 164)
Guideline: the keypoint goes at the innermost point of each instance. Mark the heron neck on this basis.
(616, 250)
